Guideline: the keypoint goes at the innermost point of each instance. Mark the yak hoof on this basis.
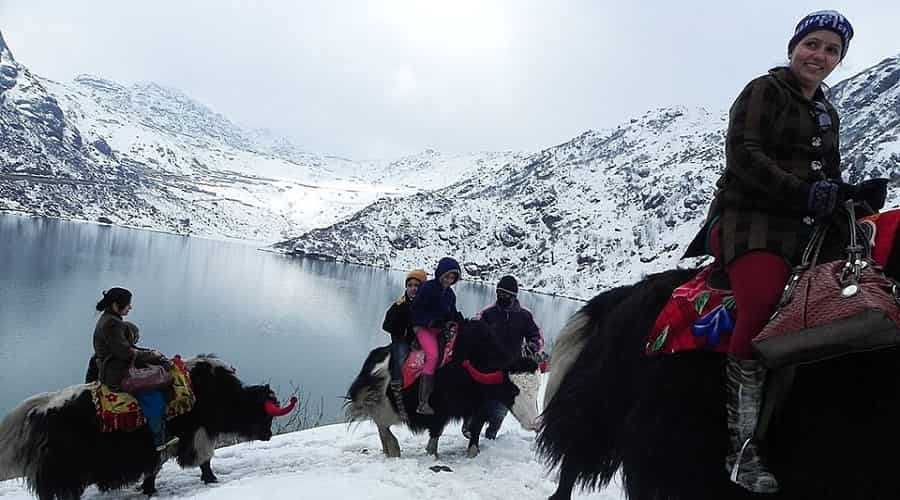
(473, 451)
(209, 478)
(149, 491)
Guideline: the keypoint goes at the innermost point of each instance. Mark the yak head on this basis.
(226, 405)
(511, 379)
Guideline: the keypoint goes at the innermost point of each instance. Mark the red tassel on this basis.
(481, 377)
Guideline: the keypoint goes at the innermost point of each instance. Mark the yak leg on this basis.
(389, 444)
(206, 473)
(434, 436)
(567, 477)
(475, 426)
(148, 487)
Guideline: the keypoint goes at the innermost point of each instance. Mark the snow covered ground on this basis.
(345, 461)
(337, 462)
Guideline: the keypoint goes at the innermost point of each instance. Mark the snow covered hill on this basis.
(149, 156)
(599, 210)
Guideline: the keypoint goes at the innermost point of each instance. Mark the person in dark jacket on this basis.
(782, 178)
(514, 329)
(132, 333)
(398, 322)
(433, 307)
(115, 353)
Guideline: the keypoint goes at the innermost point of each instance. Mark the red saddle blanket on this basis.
(701, 317)
(416, 360)
(120, 411)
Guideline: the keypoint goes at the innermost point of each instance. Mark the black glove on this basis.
(823, 196)
(873, 192)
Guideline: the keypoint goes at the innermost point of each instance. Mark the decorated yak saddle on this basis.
(120, 411)
(700, 314)
(412, 368)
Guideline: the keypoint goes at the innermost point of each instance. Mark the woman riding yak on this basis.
(782, 177)
(115, 352)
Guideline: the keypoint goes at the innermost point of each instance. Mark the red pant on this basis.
(757, 280)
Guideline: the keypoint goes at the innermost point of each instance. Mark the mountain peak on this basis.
(5, 53)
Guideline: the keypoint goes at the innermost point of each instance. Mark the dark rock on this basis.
(104, 220)
(551, 220)
(590, 259)
(101, 146)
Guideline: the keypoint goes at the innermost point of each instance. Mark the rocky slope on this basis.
(599, 210)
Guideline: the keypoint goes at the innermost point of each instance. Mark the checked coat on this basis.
(776, 146)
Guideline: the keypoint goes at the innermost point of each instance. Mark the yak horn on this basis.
(275, 411)
(481, 377)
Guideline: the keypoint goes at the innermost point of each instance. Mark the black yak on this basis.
(662, 419)
(457, 393)
(53, 440)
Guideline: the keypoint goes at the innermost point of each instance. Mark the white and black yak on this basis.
(662, 419)
(53, 440)
(457, 394)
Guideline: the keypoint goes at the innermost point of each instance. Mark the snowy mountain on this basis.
(150, 156)
(599, 210)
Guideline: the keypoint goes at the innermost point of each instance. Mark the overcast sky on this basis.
(383, 78)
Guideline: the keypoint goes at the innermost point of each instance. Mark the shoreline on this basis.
(266, 247)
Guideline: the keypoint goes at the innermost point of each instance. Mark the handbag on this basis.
(149, 378)
(833, 309)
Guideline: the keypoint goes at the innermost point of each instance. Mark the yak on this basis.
(661, 419)
(53, 440)
(478, 371)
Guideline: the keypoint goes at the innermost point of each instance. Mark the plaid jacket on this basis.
(775, 149)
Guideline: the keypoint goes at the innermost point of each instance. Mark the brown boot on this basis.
(426, 386)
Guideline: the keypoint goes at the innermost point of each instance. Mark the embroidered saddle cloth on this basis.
(412, 368)
(120, 411)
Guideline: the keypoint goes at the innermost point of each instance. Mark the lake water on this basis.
(276, 319)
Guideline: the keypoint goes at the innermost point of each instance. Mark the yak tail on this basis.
(366, 398)
(575, 334)
(16, 438)
(566, 348)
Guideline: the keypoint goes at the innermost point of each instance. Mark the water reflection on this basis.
(276, 319)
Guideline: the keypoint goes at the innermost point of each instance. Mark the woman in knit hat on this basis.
(398, 322)
(434, 305)
(782, 178)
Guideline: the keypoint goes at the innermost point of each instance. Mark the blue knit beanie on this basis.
(830, 20)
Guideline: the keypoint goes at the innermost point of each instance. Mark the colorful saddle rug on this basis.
(120, 411)
(416, 359)
(883, 234)
(699, 316)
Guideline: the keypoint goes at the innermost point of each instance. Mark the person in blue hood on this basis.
(433, 306)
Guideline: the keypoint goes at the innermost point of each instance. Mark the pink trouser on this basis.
(757, 281)
(428, 339)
